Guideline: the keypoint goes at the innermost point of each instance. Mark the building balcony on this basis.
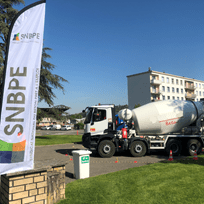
(155, 91)
(190, 87)
(155, 81)
(190, 96)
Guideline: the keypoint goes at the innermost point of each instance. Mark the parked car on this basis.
(66, 127)
(56, 127)
(46, 127)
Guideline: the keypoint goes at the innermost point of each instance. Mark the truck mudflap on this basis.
(87, 142)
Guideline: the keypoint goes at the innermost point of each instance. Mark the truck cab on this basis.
(99, 119)
(99, 122)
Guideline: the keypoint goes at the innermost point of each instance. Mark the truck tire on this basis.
(192, 145)
(138, 149)
(106, 149)
(175, 146)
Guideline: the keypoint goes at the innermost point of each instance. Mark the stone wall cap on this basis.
(40, 166)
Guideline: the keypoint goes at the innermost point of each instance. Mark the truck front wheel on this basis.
(106, 149)
(193, 145)
(138, 149)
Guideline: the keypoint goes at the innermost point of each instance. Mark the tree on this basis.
(137, 105)
(48, 81)
(120, 107)
(7, 12)
(56, 112)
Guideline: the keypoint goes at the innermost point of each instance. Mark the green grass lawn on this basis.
(57, 139)
(177, 182)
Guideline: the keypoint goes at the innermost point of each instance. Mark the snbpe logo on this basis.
(26, 36)
(16, 37)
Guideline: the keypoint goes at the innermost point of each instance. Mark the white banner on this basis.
(20, 95)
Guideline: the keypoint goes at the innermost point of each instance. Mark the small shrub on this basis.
(78, 126)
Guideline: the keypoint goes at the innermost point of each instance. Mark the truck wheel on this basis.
(193, 145)
(106, 149)
(138, 149)
(175, 146)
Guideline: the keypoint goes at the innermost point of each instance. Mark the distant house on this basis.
(46, 121)
(50, 113)
(75, 121)
(51, 121)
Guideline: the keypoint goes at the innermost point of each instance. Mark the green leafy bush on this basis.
(78, 126)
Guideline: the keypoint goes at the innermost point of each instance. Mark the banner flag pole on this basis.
(20, 89)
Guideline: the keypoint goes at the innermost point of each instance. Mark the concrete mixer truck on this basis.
(162, 125)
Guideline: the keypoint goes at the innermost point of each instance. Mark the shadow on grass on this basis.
(42, 137)
(187, 160)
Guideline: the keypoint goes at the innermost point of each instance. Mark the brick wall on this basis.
(55, 184)
(40, 187)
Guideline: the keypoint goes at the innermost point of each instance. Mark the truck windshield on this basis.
(88, 115)
(99, 115)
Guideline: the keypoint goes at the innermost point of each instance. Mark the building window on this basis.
(200, 93)
(162, 79)
(153, 89)
(168, 97)
(168, 89)
(154, 97)
(172, 89)
(203, 93)
(163, 97)
(196, 85)
(181, 82)
(181, 98)
(176, 81)
(177, 98)
(163, 88)
(172, 81)
(196, 92)
(199, 86)
(177, 90)
(173, 97)
(181, 90)
(167, 79)
(203, 86)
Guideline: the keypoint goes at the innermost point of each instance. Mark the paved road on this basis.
(98, 165)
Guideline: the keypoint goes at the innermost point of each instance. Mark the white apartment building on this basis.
(153, 85)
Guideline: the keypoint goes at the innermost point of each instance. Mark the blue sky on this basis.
(98, 43)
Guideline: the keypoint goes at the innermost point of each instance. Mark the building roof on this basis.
(163, 73)
(139, 74)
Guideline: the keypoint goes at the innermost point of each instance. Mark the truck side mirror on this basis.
(92, 123)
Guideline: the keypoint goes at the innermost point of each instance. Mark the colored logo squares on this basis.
(16, 37)
(12, 152)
